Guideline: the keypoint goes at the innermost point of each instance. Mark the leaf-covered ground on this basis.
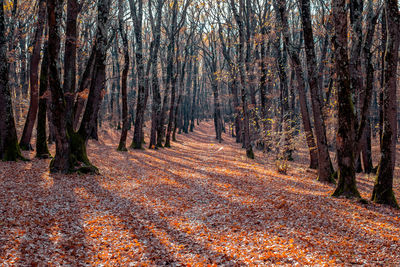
(198, 203)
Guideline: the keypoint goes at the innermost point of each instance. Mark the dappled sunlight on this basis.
(192, 204)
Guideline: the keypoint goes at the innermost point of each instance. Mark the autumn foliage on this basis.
(188, 206)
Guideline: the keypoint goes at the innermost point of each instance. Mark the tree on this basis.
(9, 148)
(325, 169)
(345, 140)
(239, 18)
(124, 78)
(62, 160)
(34, 81)
(296, 63)
(156, 106)
(70, 145)
(42, 150)
(383, 189)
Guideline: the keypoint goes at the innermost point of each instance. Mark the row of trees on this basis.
(264, 68)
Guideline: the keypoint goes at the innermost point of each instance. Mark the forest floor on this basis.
(198, 202)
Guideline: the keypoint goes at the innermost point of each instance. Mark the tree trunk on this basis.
(9, 148)
(62, 161)
(171, 76)
(42, 150)
(195, 89)
(84, 86)
(70, 60)
(137, 16)
(325, 169)
(243, 79)
(156, 105)
(345, 140)
(34, 79)
(383, 189)
(124, 78)
(295, 60)
(90, 117)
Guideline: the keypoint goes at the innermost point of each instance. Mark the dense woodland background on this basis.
(272, 73)
(280, 77)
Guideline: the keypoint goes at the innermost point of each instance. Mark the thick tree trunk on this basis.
(71, 38)
(34, 79)
(383, 189)
(9, 148)
(62, 161)
(345, 140)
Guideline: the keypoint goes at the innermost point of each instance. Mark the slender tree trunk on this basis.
(243, 79)
(34, 79)
(171, 76)
(195, 89)
(137, 16)
(367, 93)
(325, 169)
(84, 86)
(217, 110)
(42, 150)
(383, 189)
(124, 78)
(90, 117)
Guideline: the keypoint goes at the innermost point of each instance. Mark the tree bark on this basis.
(42, 150)
(9, 147)
(243, 79)
(124, 78)
(70, 60)
(156, 105)
(34, 79)
(325, 169)
(383, 189)
(345, 140)
(137, 17)
(62, 161)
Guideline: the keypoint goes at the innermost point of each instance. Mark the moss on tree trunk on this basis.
(79, 159)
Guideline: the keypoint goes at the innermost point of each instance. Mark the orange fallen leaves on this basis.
(193, 205)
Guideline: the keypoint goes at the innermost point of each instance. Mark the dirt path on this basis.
(199, 202)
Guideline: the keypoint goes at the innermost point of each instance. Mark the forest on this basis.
(199, 132)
